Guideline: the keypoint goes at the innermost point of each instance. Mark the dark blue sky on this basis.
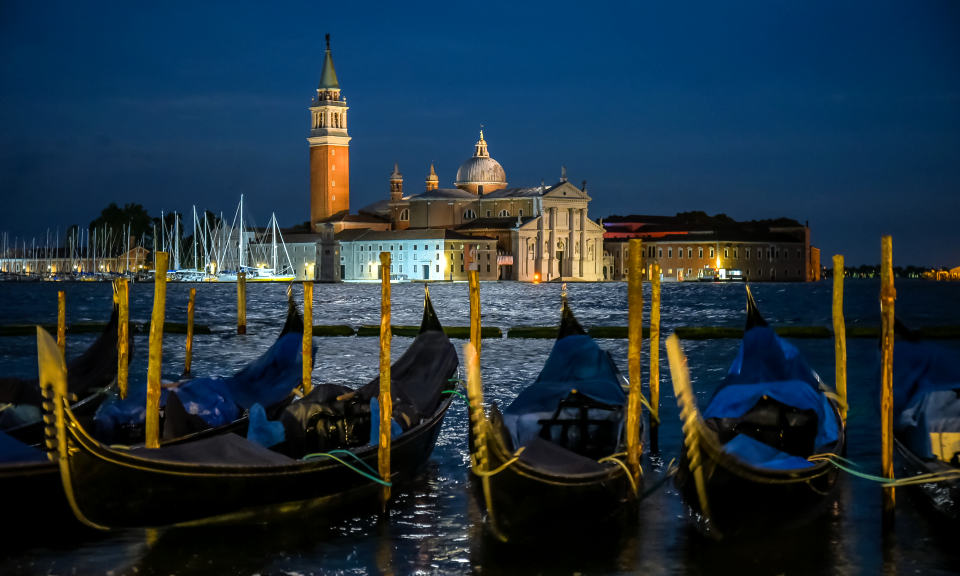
(844, 114)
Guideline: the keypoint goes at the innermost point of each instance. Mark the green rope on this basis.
(847, 466)
(348, 465)
(458, 393)
(355, 457)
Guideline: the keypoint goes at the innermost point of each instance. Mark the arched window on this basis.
(504, 213)
(469, 214)
(404, 215)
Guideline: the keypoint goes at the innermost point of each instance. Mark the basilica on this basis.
(533, 233)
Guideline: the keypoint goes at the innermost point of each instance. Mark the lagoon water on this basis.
(434, 527)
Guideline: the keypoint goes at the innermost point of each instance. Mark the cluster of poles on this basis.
(472, 355)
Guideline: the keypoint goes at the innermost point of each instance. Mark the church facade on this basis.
(542, 232)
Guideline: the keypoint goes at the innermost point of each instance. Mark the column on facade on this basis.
(571, 241)
(583, 241)
(552, 247)
(538, 248)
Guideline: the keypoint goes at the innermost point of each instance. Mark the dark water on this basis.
(434, 527)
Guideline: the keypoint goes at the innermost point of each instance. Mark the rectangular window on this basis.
(660, 252)
(734, 252)
(414, 246)
(747, 252)
(438, 255)
(488, 267)
(401, 268)
(438, 267)
(711, 252)
(670, 252)
(700, 252)
(726, 252)
(488, 213)
(461, 267)
(689, 254)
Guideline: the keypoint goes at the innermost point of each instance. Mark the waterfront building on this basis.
(426, 254)
(694, 246)
(542, 232)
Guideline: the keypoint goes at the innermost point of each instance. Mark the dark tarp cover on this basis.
(926, 393)
(335, 416)
(575, 363)
(767, 365)
(267, 380)
(227, 449)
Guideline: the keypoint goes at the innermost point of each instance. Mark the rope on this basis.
(643, 400)
(457, 393)
(371, 477)
(848, 467)
(498, 469)
(626, 470)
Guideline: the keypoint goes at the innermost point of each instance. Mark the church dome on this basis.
(481, 170)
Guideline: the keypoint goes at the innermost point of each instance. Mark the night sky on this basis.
(843, 114)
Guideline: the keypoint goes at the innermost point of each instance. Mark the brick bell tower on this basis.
(329, 147)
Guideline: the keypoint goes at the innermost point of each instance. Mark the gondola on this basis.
(204, 406)
(747, 465)
(926, 394)
(89, 375)
(328, 463)
(550, 463)
(29, 479)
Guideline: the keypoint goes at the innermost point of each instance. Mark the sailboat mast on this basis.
(273, 234)
(242, 245)
(176, 240)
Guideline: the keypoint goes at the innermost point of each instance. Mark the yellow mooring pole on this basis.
(156, 350)
(655, 359)
(123, 335)
(191, 308)
(473, 279)
(242, 303)
(385, 399)
(635, 335)
(62, 322)
(840, 334)
(887, 296)
(307, 350)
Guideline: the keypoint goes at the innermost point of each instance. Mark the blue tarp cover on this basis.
(762, 455)
(13, 450)
(575, 363)
(767, 365)
(265, 381)
(926, 394)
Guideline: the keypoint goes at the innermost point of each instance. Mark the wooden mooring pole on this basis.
(635, 341)
(242, 303)
(473, 279)
(655, 359)
(155, 361)
(840, 334)
(307, 350)
(385, 399)
(62, 323)
(888, 295)
(188, 357)
(123, 335)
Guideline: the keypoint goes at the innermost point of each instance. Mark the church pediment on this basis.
(566, 190)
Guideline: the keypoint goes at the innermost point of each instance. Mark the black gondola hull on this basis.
(942, 498)
(528, 503)
(113, 489)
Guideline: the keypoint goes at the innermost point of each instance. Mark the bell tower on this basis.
(329, 147)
